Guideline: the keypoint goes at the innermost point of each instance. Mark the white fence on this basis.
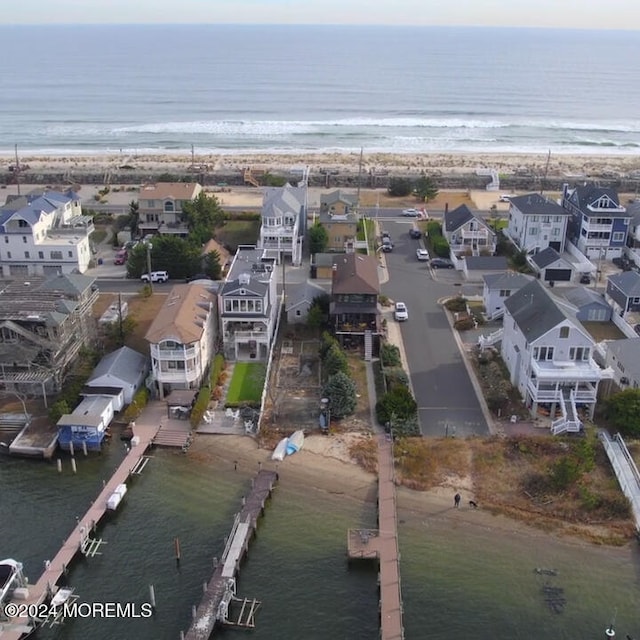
(624, 326)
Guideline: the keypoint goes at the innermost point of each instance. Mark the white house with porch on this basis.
(44, 233)
(249, 305)
(467, 233)
(284, 212)
(549, 355)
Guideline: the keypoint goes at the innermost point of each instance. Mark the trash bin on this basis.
(99, 261)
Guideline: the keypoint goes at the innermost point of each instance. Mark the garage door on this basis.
(19, 270)
(557, 275)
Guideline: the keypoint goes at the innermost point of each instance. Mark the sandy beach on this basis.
(570, 166)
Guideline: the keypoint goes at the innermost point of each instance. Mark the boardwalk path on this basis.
(145, 429)
(383, 544)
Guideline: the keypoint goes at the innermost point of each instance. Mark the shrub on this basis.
(457, 304)
(217, 369)
(440, 246)
(434, 229)
(396, 376)
(334, 361)
(397, 404)
(137, 404)
(390, 355)
(326, 342)
(399, 187)
(57, 410)
(464, 324)
(341, 391)
(199, 406)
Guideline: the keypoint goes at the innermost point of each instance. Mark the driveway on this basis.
(446, 398)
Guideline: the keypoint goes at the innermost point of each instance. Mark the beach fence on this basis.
(274, 342)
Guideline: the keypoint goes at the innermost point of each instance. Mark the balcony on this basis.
(358, 328)
(173, 354)
(551, 370)
(588, 227)
(248, 335)
(585, 394)
(185, 377)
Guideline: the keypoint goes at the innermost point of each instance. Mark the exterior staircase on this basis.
(494, 185)
(368, 346)
(569, 422)
(251, 176)
(490, 340)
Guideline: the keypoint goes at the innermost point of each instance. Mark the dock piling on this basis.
(73, 465)
(152, 596)
(182, 635)
(84, 447)
(71, 448)
(59, 465)
(176, 544)
(193, 611)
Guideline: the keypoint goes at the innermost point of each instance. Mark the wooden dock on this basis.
(382, 544)
(80, 540)
(220, 591)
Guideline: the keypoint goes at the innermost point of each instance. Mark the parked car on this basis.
(387, 247)
(385, 234)
(414, 233)
(441, 263)
(410, 213)
(422, 255)
(506, 198)
(636, 328)
(121, 257)
(156, 276)
(400, 312)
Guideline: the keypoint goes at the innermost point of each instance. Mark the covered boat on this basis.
(296, 440)
(281, 450)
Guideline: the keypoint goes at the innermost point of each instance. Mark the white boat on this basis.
(296, 440)
(281, 450)
(116, 497)
(11, 578)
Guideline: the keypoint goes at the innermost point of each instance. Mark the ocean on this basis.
(297, 89)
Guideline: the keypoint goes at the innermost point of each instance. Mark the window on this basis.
(505, 293)
(6, 239)
(620, 366)
(26, 255)
(543, 353)
(9, 255)
(298, 312)
(70, 254)
(564, 332)
(618, 236)
(24, 239)
(41, 255)
(169, 207)
(579, 353)
(56, 255)
(533, 231)
(555, 231)
(22, 224)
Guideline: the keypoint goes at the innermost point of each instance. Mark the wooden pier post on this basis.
(182, 635)
(176, 544)
(152, 596)
(71, 448)
(59, 465)
(84, 447)
(193, 611)
(73, 465)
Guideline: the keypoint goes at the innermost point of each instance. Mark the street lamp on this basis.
(149, 246)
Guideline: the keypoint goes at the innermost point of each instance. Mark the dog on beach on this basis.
(473, 505)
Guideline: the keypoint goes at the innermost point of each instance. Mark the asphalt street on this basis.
(447, 403)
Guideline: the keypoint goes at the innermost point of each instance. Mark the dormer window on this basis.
(169, 206)
(243, 292)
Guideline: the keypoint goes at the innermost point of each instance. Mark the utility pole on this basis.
(149, 247)
(120, 327)
(17, 169)
(359, 180)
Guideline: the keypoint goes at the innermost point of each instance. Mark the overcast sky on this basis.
(590, 14)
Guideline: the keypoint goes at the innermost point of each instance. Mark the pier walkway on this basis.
(382, 544)
(221, 589)
(79, 541)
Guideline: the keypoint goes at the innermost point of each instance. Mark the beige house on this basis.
(182, 337)
(338, 203)
(160, 207)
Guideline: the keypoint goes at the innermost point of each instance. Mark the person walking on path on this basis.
(456, 500)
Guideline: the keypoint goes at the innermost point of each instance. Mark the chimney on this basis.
(446, 208)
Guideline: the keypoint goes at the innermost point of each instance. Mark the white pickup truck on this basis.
(155, 276)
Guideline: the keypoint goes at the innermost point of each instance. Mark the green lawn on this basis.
(246, 384)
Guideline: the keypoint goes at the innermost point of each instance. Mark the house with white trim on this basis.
(44, 233)
(498, 287)
(599, 224)
(284, 216)
(549, 355)
(623, 356)
(468, 233)
(160, 207)
(249, 305)
(182, 338)
(536, 222)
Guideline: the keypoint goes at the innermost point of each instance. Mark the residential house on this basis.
(119, 374)
(623, 293)
(353, 310)
(160, 207)
(498, 287)
(44, 233)
(322, 265)
(338, 203)
(549, 355)
(467, 233)
(182, 337)
(86, 426)
(590, 305)
(633, 237)
(551, 266)
(476, 267)
(535, 223)
(284, 222)
(300, 297)
(338, 215)
(599, 223)
(43, 325)
(249, 305)
(623, 357)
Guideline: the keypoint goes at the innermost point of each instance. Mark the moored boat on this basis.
(281, 450)
(296, 440)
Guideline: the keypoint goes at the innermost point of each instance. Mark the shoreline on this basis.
(606, 165)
